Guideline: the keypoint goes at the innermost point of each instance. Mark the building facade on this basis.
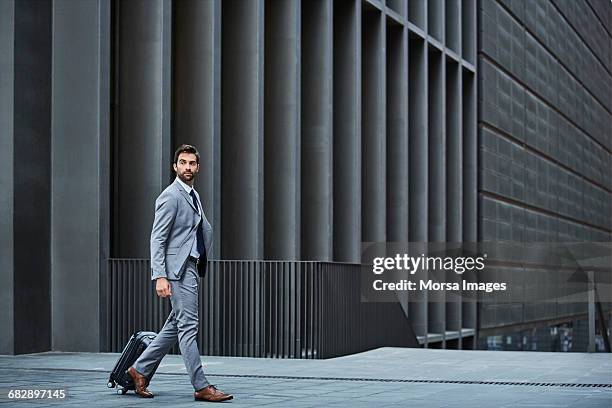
(321, 125)
(545, 133)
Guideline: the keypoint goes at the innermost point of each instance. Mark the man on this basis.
(180, 239)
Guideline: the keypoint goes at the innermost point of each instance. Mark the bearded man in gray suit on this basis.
(180, 242)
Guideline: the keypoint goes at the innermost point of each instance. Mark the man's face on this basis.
(186, 167)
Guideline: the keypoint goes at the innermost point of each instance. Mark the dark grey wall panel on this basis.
(398, 6)
(500, 221)
(501, 38)
(470, 211)
(541, 126)
(397, 134)
(454, 153)
(282, 130)
(436, 177)
(417, 79)
(452, 22)
(397, 176)
(7, 78)
(32, 181)
(347, 131)
(78, 108)
(242, 129)
(544, 130)
(105, 167)
(578, 52)
(595, 162)
(374, 146)
(604, 13)
(470, 157)
(196, 97)
(417, 13)
(584, 20)
(142, 139)
(317, 130)
(571, 145)
(468, 30)
(501, 100)
(435, 19)
(540, 70)
(555, 56)
(437, 147)
(517, 7)
(418, 150)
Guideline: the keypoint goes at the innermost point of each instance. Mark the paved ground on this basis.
(386, 377)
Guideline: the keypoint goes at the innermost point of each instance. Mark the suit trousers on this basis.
(182, 325)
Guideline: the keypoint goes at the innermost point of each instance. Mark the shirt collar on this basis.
(185, 186)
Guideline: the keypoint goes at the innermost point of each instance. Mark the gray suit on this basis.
(174, 232)
(172, 238)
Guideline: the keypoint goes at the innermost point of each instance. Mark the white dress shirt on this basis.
(188, 189)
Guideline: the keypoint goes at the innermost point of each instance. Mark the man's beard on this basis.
(189, 178)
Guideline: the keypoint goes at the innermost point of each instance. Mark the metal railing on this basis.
(285, 309)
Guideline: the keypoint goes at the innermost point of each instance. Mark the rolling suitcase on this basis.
(136, 345)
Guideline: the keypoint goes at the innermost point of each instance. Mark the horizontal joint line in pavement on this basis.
(292, 377)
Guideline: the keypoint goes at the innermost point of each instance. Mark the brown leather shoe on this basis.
(211, 394)
(140, 383)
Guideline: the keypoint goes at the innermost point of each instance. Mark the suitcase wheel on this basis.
(111, 384)
(122, 391)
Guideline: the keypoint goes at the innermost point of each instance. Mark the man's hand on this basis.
(162, 287)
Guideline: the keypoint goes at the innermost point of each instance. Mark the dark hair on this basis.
(186, 149)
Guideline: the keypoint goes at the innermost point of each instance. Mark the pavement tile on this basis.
(277, 382)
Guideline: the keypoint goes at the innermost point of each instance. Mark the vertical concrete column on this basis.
(469, 309)
(454, 154)
(196, 97)
(454, 178)
(7, 146)
(143, 155)
(347, 131)
(374, 152)
(470, 169)
(317, 130)
(437, 175)
(282, 130)
(242, 121)
(397, 134)
(437, 147)
(418, 138)
(25, 95)
(79, 176)
(470, 156)
(591, 311)
(418, 150)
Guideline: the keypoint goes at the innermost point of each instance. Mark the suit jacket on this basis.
(174, 233)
